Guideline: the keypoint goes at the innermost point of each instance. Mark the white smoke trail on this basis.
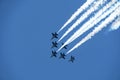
(115, 24)
(82, 8)
(93, 21)
(97, 18)
(97, 29)
(93, 7)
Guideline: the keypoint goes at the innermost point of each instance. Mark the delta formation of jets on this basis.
(55, 45)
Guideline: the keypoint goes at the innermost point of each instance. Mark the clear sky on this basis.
(25, 45)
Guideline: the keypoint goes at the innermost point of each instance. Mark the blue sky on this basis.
(26, 27)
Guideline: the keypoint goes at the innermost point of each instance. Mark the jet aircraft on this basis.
(72, 59)
(54, 44)
(62, 55)
(54, 54)
(65, 47)
(54, 35)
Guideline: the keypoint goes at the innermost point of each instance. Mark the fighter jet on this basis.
(54, 54)
(62, 55)
(65, 47)
(54, 44)
(54, 35)
(72, 59)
